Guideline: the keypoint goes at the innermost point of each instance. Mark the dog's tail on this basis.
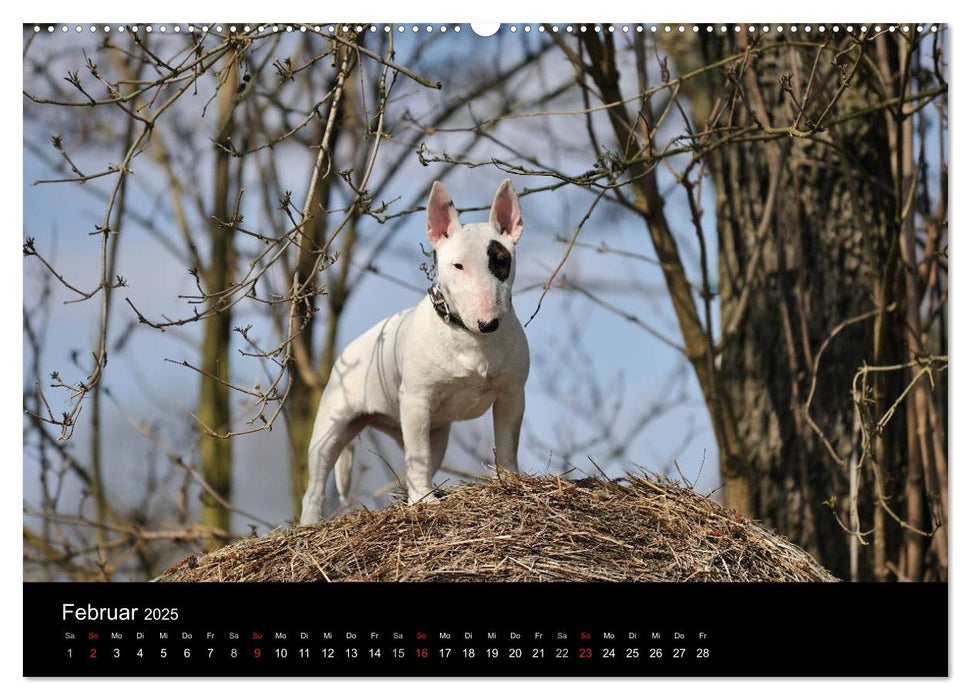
(342, 473)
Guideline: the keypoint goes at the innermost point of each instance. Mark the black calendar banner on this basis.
(337, 630)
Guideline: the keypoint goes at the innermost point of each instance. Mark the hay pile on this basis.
(522, 528)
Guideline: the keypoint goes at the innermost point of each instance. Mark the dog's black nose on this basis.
(490, 326)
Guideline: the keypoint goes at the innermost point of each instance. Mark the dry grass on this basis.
(522, 528)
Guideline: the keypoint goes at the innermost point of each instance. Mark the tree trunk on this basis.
(309, 378)
(214, 405)
(737, 482)
(828, 255)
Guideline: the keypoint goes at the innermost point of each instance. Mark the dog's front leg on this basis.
(416, 434)
(507, 420)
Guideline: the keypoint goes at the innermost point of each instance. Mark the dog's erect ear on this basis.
(505, 216)
(442, 217)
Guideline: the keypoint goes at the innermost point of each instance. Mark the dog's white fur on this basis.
(414, 374)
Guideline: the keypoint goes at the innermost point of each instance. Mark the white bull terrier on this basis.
(451, 357)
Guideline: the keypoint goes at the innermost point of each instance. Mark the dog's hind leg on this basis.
(323, 455)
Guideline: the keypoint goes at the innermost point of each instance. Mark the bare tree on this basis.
(830, 237)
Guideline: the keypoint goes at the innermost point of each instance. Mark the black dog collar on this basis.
(442, 308)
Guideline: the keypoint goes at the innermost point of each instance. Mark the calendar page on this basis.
(537, 349)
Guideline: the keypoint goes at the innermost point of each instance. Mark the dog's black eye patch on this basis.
(500, 260)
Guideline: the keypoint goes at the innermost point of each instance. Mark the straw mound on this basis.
(522, 528)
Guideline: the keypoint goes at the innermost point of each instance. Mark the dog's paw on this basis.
(433, 496)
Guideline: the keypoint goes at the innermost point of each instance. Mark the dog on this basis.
(459, 351)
